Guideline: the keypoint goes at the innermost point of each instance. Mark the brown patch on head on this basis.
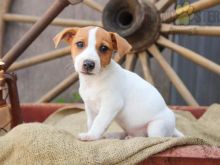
(114, 42)
(81, 36)
(106, 42)
(66, 34)
(72, 36)
(120, 44)
(103, 38)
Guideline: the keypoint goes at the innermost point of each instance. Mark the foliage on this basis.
(75, 98)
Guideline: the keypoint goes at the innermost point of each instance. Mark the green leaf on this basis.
(76, 96)
(60, 100)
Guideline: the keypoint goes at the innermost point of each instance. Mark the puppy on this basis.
(113, 93)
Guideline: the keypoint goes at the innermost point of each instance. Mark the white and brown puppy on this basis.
(113, 93)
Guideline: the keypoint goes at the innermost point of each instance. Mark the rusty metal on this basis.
(36, 30)
(11, 79)
(136, 20)
(2, 83)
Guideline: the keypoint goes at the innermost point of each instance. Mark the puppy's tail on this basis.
(177, 133)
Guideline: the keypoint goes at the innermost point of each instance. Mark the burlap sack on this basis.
(54, 142)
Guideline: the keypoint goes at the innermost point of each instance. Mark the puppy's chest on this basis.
(91, 98)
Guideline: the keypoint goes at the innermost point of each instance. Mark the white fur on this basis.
(89, 53)
(114, 93)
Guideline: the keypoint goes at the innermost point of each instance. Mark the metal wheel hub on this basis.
(136, 20)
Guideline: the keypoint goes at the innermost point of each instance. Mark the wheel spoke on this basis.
(94, 5)
(3, 9)
(191, 30)
(40, 59)
(174, 78)
(189, 9)
(61, 87)
(130, 61)
(194, 57)
(119, 58)
(163, 5)
(144, 59)
(153, 1)
(57, 21)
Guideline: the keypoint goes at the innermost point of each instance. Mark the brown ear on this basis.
(120, 44)
(67, 34)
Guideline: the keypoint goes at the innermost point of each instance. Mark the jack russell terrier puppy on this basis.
(113, 93)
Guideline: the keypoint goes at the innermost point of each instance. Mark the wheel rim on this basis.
(166, 28)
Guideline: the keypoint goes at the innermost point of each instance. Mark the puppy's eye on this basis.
(80, 44)
(103, 48)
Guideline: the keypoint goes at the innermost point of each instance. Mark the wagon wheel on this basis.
(146, 27)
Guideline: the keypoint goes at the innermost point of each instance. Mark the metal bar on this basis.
(14, 99)
(34, 32)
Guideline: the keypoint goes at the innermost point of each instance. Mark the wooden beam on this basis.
(163, 5)
(190, 30)
(130, 61)
(4, 8)
(174, 78)
(94, 5)
(189, 9)
(119, 58)
(144, 59)
(153, 1)
(192, 56)
(65, 84)
(39, 59)
(57, 22)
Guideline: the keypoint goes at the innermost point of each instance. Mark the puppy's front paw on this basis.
(87, 137)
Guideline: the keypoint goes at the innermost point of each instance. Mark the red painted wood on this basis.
(196, 111)
(180, 161)
(39, 112)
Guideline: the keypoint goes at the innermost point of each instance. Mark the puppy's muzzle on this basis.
(88, 65)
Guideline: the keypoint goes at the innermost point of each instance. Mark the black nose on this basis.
(88, 65)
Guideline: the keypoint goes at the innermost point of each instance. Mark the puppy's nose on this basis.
(88, 65)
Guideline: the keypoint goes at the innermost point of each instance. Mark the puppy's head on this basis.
(92, 47)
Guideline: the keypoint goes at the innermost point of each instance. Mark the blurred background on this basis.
(35, 81)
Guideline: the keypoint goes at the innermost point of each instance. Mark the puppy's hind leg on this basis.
(160, 128)
(177, 133)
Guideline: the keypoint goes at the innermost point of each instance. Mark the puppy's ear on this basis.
(67, 34)
(120, 44)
